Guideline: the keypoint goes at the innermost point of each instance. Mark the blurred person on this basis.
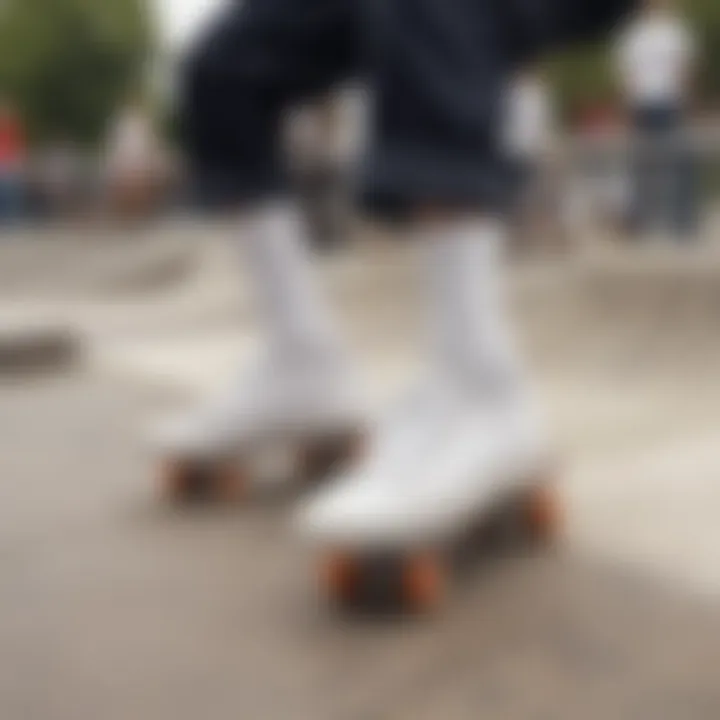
(529, 138)
(436, 72)
(57, 180)
(598, 196)
(133, 163)
(319, 171)
(12, 164)
(656, 59)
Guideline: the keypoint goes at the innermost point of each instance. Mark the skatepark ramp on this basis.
(87, 262)
(649, 312)
(51, 279)
(115, 605)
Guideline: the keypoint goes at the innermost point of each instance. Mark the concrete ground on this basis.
(116, 606)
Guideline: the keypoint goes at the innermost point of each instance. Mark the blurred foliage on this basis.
(583, 79)
(68, 64)
(586, 78)
(705, 16)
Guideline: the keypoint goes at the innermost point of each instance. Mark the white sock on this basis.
(469, 327)
(295, 314)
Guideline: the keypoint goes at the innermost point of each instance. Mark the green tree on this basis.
(705, 17)
(68, 64)
(587, 77)
(583, 78)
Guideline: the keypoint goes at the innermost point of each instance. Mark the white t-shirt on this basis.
(528, 118)
(133, 145)
(655, 56)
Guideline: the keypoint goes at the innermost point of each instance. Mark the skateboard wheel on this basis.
(341, 579)
(414, 584)
(424, 583)
(188, 481)
(543, 514)
(229, 483)
(175, 479)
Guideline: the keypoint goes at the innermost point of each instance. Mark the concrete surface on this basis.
(624, 349)
(89, 262)
(114, 606)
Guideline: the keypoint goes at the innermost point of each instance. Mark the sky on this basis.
(180, 19)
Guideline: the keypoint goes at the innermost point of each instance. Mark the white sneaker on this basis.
(281, 397)
(429, 474)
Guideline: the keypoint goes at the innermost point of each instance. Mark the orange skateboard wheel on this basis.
(187, 480)
(424, 583)
(543, 513)
(174, 474)
(228, 482)
(340, 578)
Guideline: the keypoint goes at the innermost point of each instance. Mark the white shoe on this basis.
(430, 474)
(281, 397)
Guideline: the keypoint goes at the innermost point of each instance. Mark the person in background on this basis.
(315, 172)
(325, 137)
(12, 164)
(133, 163)
(529, 138)
(56, 178)
(656, 57)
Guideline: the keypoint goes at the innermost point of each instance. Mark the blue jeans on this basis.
(11, 197)
(665, 193)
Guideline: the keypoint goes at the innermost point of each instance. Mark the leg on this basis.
(643, 212)
(457, 463)
(253, 65)
(10, 199)
(257, 61)
(4, 200)
(467, 432)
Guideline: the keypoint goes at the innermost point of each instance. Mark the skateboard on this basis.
(417, 577)
(227, 478)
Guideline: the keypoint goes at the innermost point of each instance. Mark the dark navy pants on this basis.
(665, 193)
(435, 72)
